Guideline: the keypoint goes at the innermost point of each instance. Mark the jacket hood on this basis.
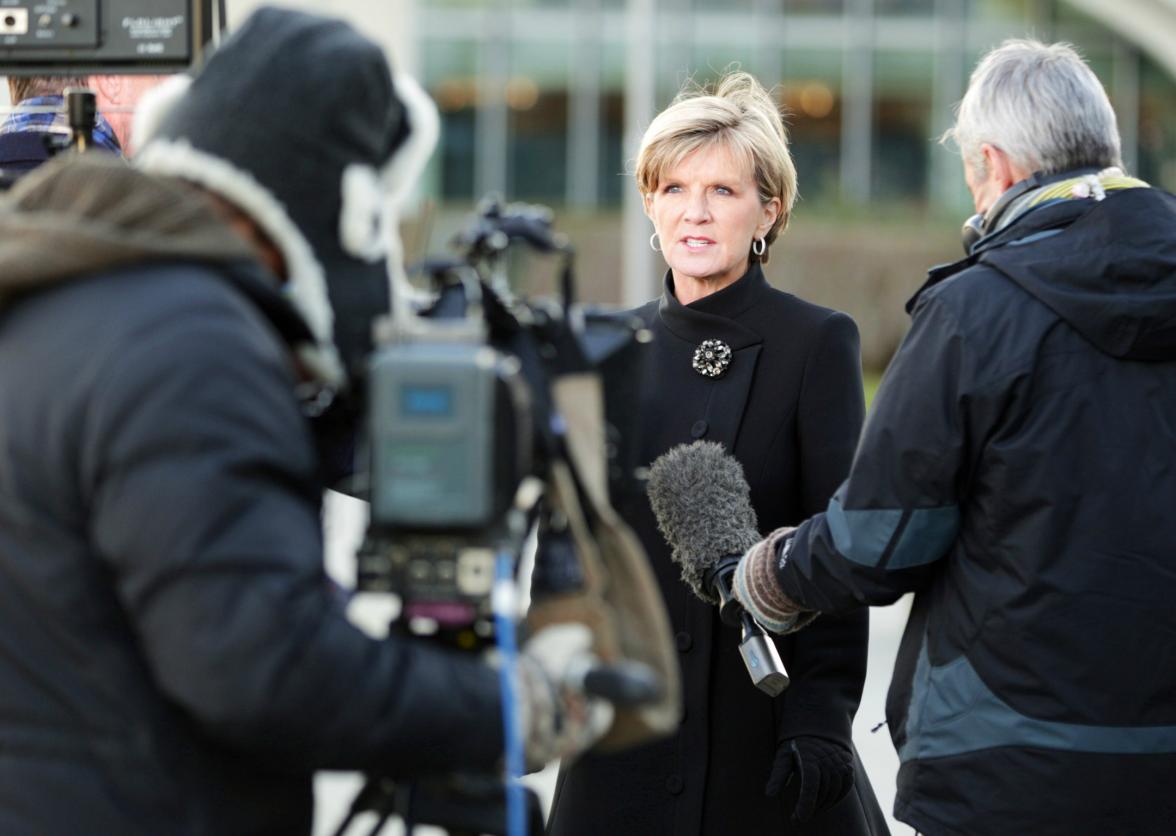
(79, 215)
(1108, 268)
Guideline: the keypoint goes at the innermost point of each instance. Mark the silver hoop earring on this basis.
(653, 246)
(759, 246)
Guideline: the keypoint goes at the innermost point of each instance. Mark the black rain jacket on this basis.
(1018, 473)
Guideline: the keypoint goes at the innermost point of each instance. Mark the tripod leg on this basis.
(383, 820)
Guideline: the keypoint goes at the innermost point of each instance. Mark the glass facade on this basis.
(533, 92)
(545, 100)
(1157, 126)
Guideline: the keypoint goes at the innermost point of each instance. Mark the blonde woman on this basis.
(778, 382)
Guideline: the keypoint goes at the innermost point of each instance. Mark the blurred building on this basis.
(533, 93)
(544, 100)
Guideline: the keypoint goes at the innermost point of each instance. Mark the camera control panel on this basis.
(94, 36)
(65, 23)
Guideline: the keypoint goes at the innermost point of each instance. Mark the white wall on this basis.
(391, 23)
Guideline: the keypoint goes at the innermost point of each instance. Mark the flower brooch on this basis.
(712, 358)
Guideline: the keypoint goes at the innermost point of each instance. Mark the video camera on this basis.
(464, 427)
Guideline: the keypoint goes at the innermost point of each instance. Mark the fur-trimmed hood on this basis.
(79, 215)
(82, 214)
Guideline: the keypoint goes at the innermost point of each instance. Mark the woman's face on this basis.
(706, 212)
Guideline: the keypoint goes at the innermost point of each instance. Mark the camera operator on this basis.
(172, 656)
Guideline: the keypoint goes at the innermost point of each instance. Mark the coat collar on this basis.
(714, 316)
(1049, 216)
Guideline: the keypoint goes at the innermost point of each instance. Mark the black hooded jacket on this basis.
(1018, 472)
(172, 659)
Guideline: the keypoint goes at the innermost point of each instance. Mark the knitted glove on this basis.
(826, 773)
(757, 589)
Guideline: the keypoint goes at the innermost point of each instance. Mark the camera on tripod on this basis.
(451, 445)
(464, 427)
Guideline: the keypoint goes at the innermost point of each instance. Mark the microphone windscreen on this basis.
(703, 507)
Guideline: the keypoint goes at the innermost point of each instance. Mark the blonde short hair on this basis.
(739, 114)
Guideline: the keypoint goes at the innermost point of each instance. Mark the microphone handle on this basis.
(761, 658)
(758, 650)
(718, 578)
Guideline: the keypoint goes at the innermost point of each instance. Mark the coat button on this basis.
(675, 784)
(685, 641)
(699, 429)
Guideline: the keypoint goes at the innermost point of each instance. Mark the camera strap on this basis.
(620, 598)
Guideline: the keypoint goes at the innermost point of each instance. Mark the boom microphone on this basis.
(703, 507)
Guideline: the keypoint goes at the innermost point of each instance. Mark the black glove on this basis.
(825, 768)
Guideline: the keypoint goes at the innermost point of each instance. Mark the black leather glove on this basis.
(825, 768)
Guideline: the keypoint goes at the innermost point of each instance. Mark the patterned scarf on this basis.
(1082, 187)
(1093, 186)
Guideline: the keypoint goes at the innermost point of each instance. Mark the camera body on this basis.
(464, 428)
(450, 438)
(450, 435)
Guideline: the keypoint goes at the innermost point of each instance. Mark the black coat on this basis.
(790, 406)
(1017, 472)
(172, 658)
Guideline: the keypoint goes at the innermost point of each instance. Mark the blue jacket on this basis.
(1018, 474)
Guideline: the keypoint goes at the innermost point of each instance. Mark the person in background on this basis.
(38, 112)
(118, 96)
(777, 380)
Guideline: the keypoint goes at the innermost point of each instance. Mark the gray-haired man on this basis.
(1016, 473)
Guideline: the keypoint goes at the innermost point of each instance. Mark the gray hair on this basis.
(1040, 104)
